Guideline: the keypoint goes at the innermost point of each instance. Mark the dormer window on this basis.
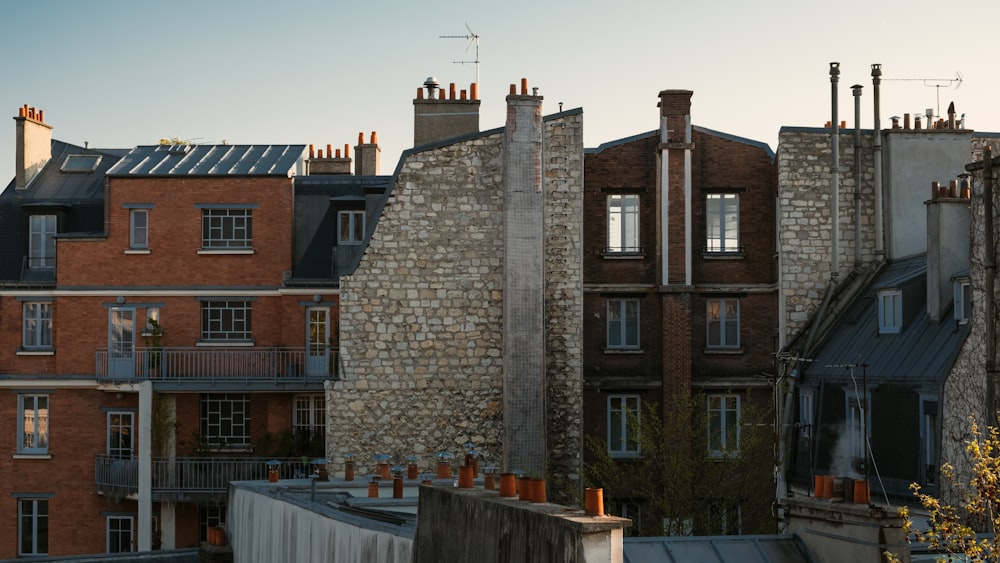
(890, 311)
(41, 242)
(84, 163)
(963, 300)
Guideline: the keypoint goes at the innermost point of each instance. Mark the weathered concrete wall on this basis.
(836, 532)
(476, 525)
(421, 318)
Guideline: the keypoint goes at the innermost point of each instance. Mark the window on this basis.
(139, 228)
(225, 320)
(42, 242)
(723, 323)
(805, 414)
(623, 425)
(33, 526)
(120, 435)
(225, 419)
(37, 333)
(80, 163)
(929, 430)
(856, 422)
(226, 228)
(723, 425)
(722, 215)
(210, 517)
(119, 534)
(623, 323)
(890, 311)
(33, 430)
(623, 223)
(629, 508)
(725, 517)
(963, 301)
(309, 417)
(351, 227)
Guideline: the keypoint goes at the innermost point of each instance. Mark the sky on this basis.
(122, 73)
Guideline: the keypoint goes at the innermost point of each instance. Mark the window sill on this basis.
(228, 449)
(225, 251)
(40, 352)
(623, 351)
(225, 343)
(724, 351)
(31, 456)
(623, 256)
(724, 255)
(136, 251)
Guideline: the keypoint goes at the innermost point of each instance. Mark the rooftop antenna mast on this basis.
(937, 83)
(473, 38)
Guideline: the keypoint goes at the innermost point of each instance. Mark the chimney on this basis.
(442, 115)
(331, 162)
(33, 145)
(368, 156)
(947, 244)
(523, 282)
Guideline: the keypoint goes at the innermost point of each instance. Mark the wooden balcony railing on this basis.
(213, 364)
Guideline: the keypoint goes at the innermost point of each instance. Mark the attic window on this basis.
(81, 163)
(179, 148)
(890, 311)
(963, 300)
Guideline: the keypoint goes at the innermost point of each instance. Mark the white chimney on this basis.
(33, 147)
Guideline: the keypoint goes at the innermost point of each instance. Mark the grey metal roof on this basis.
(717, 549)
(924, 351)
(211, 160)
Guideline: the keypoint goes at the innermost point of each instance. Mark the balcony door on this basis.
(121, 342)
(120, 433)
(317, 340)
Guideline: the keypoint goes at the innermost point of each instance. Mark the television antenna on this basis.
(473, 37)
(936, 83)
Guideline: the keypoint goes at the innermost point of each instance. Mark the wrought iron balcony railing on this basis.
(213, 364)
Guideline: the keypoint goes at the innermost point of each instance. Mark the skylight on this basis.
(81, 163)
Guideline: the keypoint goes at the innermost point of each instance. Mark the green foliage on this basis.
(292, 443)
(678, 484)
(952, 530)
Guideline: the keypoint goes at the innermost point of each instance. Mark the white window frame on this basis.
(226, 320)
(226, 228)
(623, 325)
(806, 419)
(121, 423)
(963, 300)
(225, 420)
(857, 425)
(721, 320)
(723, 419)
(120, 530)
(42, 242)
(33, 423)
(36, 330)
(624, 424)
(138, 232)
(32, 516)
(351, 226)
(722, 222)
(890, 311)
(929, 436)
(623, 223)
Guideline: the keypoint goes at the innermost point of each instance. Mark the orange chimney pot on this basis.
(310, 150)
(513, 89)
(361, 137)
(474, 91)
(451, 91)
(420, 93)
(524, 86)
(374, 138)
(338, 153)
(347, 150)
(329, 151)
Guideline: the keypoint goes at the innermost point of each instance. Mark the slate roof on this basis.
(211, 160)
(923, 352)
(717, 549)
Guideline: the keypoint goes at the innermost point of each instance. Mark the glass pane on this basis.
(615, 426)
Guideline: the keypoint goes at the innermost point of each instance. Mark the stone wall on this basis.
(421, 317)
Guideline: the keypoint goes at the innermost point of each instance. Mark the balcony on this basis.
(188, 478)
(218, 365)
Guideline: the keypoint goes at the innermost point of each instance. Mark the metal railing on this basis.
(189, 475)
(201, 363)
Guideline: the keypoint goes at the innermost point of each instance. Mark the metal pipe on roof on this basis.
(856, 89)
(834, 173)
(877, 164)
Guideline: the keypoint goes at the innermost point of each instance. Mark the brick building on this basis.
(680, 299)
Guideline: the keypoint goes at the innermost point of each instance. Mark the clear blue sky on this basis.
(120, 73)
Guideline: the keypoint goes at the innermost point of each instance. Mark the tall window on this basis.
(723, 323)
(33, 527)
(725, 517)
(351, 227)
(856, 427)
(623, 425)
(963, 301)
(722, 215)
(890, 311)
(225, 419)
(226, 228)
(805, 413)
(42, 242)
(929, 431)
(139, 228)
(723, 425)
(33, 429)
(225, 320)
(121, 434)
(309, 417)
(623, 223)
(37, 330)
(210, 517)
(623, 323)
(119, 534)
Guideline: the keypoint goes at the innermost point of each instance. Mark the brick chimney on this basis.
(368, 155)
(331, 163)
(33, 147)
(443, 115)
(948, 218)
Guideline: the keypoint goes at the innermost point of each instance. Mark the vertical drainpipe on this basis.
(989, 265)
(834, 173)
(856, 89)
(877, 164)
(145, 501)
(688, 243)
(664, 196)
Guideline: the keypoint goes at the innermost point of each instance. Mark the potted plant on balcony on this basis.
(153, 336)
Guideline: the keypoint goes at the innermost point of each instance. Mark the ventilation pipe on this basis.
(856, 89)
(877, 136)
(834, 174)
(989, 265)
